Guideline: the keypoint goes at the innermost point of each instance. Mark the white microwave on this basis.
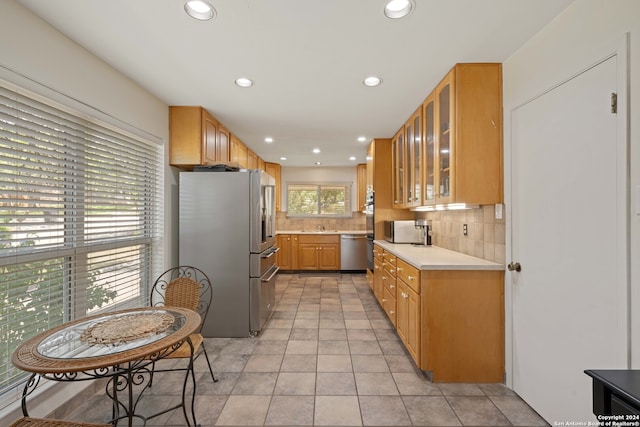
(402, 232)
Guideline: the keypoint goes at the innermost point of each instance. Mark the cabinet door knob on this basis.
(410, 277)
(391, 311)
(392, 286)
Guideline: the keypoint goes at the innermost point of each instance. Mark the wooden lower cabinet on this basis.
(463, 325)
(389, 304)
(450, 321)
(378, 286)
(283, 256)
(388, 300)
(318, 252)
(287, 256)
(408, 318)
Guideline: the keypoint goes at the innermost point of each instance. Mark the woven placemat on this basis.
(127, 328)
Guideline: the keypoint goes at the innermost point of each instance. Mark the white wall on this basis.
(319, 174)
(586, 31)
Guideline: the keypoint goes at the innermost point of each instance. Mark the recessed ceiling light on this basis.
(362, 138)
(316, 150)
(398, 8)
(283, 158)
(244, 82)
(372, 81)
(318, 163)
(268, 139)
(352, 158)
(200, 10)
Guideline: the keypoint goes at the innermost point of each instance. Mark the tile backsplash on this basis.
(485, 235)
(356, 222)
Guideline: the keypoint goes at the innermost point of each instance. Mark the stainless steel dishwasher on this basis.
(353, 252)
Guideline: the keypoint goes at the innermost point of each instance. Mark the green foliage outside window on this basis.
(318, 200)
(33, 300)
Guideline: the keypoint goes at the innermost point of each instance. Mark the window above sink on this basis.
(319, 200)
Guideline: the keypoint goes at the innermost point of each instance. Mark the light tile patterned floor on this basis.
(328, 357)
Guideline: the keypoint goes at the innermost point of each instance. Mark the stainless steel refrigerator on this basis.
(227, 229)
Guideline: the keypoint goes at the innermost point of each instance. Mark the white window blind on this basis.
(319, 199)
(79, 219)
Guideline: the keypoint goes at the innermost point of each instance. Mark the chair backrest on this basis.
(183, 286)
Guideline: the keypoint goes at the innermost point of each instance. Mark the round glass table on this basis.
(122, 346)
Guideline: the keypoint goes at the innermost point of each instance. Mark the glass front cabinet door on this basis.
(416, 174)
(413, 159)
(429, 144)
(445, 140)
(398, 167)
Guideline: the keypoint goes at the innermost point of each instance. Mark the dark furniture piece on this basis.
(615, 392)
(185, 287)
(120, 346)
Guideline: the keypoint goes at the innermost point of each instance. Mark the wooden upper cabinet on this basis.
(361, 172)
(222, 143)
(468, 136)
(238, 152)
(196, 138)
(209, 134)
(252, 159)
(429, 151)
(262, 164)
(370, 153)
(398, 162)
(274, 169)
(413, 159)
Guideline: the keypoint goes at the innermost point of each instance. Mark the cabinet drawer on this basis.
(390, 258)
(314, 238)
(409, 275)
(378, 253)
(389, 282)
(389, 305)
(389, 269)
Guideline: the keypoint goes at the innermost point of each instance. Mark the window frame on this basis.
(348, 189)
(73, 252)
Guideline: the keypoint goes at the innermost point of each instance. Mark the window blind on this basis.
(79, 219)
(319, 200)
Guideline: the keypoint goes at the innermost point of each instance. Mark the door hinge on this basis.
(614, 103)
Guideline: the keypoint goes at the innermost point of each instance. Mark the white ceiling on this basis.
(307, 57)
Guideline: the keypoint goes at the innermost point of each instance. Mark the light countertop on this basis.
(435, 258)
(362, 232)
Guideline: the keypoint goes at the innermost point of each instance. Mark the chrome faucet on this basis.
(321, 227)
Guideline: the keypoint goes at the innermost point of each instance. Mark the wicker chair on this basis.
(185, 287)
(46, 422)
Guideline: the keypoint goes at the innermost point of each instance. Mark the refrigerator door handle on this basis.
(271, 253)
(275, 271)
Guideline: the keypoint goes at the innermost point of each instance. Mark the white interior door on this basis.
(569, 300)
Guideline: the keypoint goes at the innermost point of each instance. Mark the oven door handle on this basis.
(272, 274)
